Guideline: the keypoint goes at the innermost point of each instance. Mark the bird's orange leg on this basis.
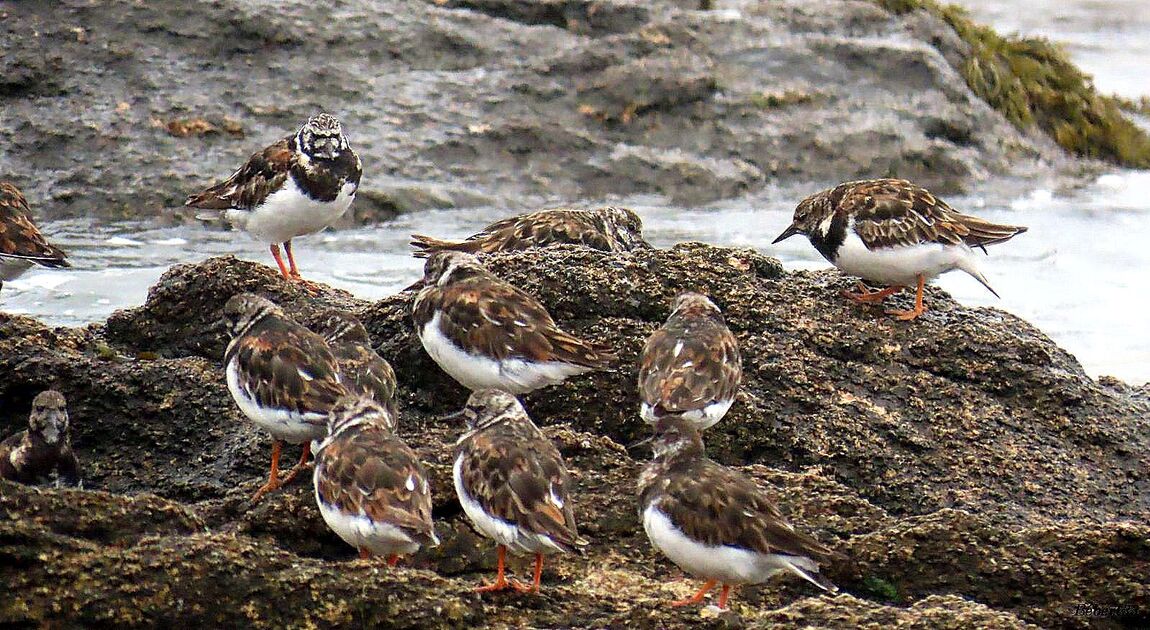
(392, 560)
(866, 296)
(724, 595)
(918, 309)
(534, 587)
(280, 261)
(291, 259)
(298, 468)
(273, 477)
(697, 597)
(501, 582)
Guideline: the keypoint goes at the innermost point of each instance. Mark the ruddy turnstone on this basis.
(45, 449)
(487, 334)
(609, 228)
(281, 375)
(297, 186)
(21, 243)
(690, 367)
(715, 523)
(892, 232)
(361, 369)
(370, 487)
(512, 484)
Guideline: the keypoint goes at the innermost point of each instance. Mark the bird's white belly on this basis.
(361, 532)
(729, 565)
(475, 372)
(702, 418)
(288, 213)
(497, 529)
(289, 426)
(898, 265)
(12, 268)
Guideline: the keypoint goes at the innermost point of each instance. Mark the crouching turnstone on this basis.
(690, 367)
(361, 369)
(892, 232)
(609, 228)
(715, 523)
(21, 243)
(487, 334)
(370, 487)
(281, 375)
(45, 449)
(512, 484)
(297, 186)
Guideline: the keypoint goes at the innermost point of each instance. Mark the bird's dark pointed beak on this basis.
(634, 445)
(787, 233)
(455, 415)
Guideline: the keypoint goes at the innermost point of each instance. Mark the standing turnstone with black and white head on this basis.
(715, 523)
(369, 485)
(512, 484)
(361, 369)
(45, 449)
(608, 228)
(297, 186)
(21, 243)
(487, 334)
(283, 377)
(894, 233)
(690, 367)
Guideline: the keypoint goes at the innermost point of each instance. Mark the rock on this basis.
(968, 471)
(615, 98)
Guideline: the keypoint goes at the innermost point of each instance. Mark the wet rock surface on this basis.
(508, 102)
(968, 471)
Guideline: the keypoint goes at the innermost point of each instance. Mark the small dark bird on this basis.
(45, 449)
(609, 228)
(21, 243)
(361, 369)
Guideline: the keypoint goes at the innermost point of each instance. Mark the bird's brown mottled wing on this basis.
(893, 212)
(706, 368)
(516, 474)
(722, 507)
(538, 229)
(500, 321)
(263, 174)
(367, 469)
(365, 372)
(7, 471)
(19, 237)
(288, 367)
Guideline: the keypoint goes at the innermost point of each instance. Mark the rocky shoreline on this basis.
(966, 467)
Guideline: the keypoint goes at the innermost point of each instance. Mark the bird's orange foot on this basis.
(906, 316)
(294, 472)
(866, 296)
(272, 484)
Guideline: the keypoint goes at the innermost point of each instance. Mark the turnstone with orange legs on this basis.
(894, 233)
(513, 485)
(361, 369)
(282, 376)
(297, 186)
(715, 523)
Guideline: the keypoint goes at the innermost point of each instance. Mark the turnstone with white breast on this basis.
(895, 233)
(21, 243)
(608, 228)
(45, 448)
(690, 367)
(361, 369)
(512, 484)
(488, 334)
(297, 186)
(715, 523)
(282, 376)
(369, 485)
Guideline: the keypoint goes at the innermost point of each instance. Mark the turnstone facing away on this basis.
(608, 228)
(512, 484)
(690, 367)
(21, 243)
(487, 334)
(361, 369)
(282, 376)
(296, 186)
(892, 232)
(715, 523)
(370, 487)
(45, 449)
